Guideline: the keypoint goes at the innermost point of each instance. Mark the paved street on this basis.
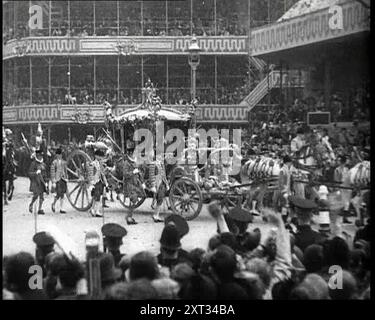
(19, 225)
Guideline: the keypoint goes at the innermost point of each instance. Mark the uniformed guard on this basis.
(305, 236)
(112, 240)
(38, 181)
(45, 244)
(99, 181)
(59, 177)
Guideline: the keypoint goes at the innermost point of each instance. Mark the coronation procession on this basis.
(137, 180)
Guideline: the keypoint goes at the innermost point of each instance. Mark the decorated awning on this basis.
(308, 22)
(143, 114)
(150, 110)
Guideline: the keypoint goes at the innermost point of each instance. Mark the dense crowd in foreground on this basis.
(238, 263)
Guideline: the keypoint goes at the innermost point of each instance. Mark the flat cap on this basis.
(180, 223)
(43, 239)
(113, 230)
(303, 204)
(241, 215)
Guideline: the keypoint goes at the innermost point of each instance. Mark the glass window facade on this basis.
(137, 18)
(119, 79)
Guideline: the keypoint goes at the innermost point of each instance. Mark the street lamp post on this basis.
(194, 60)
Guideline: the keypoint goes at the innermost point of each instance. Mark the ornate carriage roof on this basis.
(152, 109)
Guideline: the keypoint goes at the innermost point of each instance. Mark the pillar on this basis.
(327, 82)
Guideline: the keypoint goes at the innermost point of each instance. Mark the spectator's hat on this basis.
(108, 272)
(240, 215)
(170, 238)
(43, 239)
(180, 223)
(113, 230)
(304, 205)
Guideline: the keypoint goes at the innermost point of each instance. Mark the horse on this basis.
(9, 170)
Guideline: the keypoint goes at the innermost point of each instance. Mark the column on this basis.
(327, 82)
(118, 18)
(281, 83)
(122, 139)
(49, 78)
(215, 76)
(142, 20)
(167, 86)
(166, 17)
(94, 7)
(31, 80)
(118, 79)
(191, 17)
(215, 18)
(94, 80)
(69, 14)
(49, 17)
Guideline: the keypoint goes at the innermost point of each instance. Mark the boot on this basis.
(53, 205)
(62, 206)
(156, 216)
(93, 208)
(253, 210)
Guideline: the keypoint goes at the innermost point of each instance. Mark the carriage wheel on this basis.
(78, 194)
(186, 198)
(132, 196)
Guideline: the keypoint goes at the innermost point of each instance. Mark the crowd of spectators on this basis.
(240, 262)
(151, 27)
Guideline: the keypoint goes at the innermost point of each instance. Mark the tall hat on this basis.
(39, 130)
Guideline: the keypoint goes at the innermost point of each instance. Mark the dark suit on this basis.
(305, 237)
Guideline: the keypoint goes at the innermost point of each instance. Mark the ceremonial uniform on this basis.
(59, 176)
(99, 181)
(38, 182)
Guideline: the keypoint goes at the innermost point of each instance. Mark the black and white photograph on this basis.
(211, 150)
